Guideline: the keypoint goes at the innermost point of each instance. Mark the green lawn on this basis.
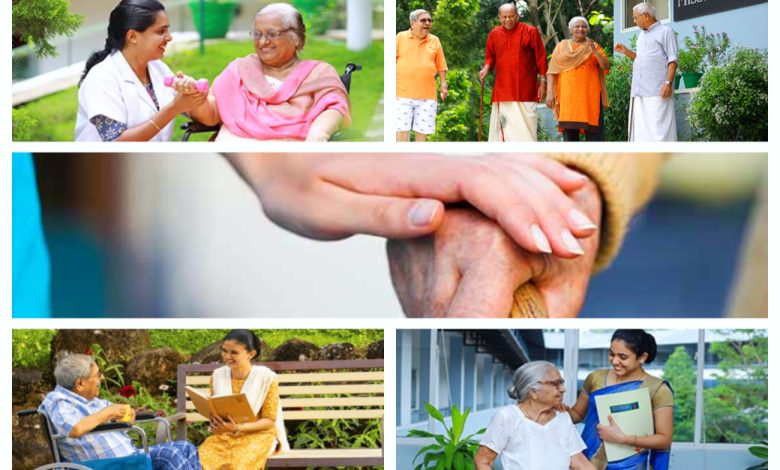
(56, 113)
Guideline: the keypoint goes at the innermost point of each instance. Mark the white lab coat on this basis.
(112, 89)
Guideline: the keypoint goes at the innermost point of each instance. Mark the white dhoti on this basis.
(513, 121)
(652, 119)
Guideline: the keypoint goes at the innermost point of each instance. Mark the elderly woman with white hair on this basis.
(576, 84)
(273, 94)
(533, 434)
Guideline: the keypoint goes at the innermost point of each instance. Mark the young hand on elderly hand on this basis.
(330, 197)
(470, 267)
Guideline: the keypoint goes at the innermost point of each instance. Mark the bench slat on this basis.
(330, 389)
(327, 458)
(195, 380)
(315, 402)
(341, 401)
(312, 414)
(333, 414)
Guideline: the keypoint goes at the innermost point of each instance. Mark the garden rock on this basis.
(29, 447)
(26, 385)
(119, 345)
(376, 350)
(336, 351)
(295, 350)
(208, 355)
(155, 369)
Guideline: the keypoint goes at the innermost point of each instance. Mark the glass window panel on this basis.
(735, 387)
(661, 11)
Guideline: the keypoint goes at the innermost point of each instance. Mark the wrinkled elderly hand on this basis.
(330, 197)
(470, 268)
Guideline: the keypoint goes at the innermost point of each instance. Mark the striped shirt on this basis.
(66, 408)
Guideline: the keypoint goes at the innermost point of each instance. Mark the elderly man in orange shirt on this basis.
(418, 59)
(516, 53)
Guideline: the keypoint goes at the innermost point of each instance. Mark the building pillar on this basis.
(359, 24)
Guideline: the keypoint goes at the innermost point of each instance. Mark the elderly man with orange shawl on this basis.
(272, 94)
(576, 85)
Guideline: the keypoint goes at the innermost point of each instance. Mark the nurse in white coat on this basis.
(122, 96)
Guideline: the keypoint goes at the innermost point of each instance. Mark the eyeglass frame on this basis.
(556, 383)
(425, 20)
(258, 35)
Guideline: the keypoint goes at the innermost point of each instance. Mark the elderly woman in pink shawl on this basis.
(272, 94)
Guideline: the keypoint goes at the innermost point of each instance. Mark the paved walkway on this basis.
(376, 128)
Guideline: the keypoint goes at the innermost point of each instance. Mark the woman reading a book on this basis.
(533, 434)
(247, 445)
(629, 351)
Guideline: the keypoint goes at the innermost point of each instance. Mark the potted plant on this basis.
(212, 18)
(451, 449)
(689, 64)
(762, 452)
(701, 52)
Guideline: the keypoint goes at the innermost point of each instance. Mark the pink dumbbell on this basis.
(201, 85)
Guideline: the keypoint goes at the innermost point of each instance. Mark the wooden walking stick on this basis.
(527, 302)
(481, 104)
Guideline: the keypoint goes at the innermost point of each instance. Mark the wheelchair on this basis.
(142, 461)
(194, 127)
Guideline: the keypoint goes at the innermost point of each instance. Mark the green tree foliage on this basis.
(733, 101)
(736, 410)
(455, 26)
(37, 22)
(680, 372)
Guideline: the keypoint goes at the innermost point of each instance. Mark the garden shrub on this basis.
(619, 92)
(31, 348)
(23, 124)
(732, 104)
(458, 117)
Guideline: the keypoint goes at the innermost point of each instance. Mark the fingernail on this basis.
(576, 175)
(541, 241)
(580, 220)
(422, 213)
(571, 243)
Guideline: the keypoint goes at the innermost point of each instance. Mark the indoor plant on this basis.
(451, 449)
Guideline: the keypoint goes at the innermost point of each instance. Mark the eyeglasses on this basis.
(425, 20)
(271, 35)
(555, 383)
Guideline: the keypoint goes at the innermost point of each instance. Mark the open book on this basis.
(235, 406)
(633, 414)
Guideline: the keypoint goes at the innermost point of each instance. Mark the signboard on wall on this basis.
(687, 9)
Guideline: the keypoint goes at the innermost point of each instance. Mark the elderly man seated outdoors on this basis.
(75, 409)
(273, 94)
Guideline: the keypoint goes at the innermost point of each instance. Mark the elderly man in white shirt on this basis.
(651, 115)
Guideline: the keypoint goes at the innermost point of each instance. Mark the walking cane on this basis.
(481, 103)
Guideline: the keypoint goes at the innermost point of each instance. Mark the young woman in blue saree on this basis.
(629, 351)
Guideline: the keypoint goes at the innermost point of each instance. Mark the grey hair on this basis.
(512, 4)
(416, 14)
(71, 367)
(291, 18)
(642, 8)
(527, 377)
(578, 18)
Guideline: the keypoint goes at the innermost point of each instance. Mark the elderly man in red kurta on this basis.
(516, 52)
